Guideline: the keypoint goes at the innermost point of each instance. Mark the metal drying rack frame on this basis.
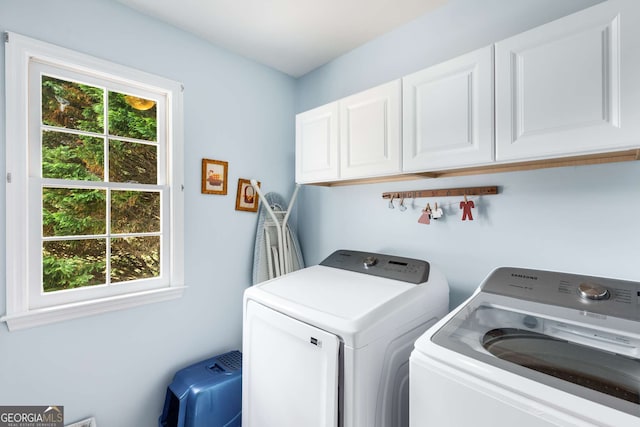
(281, 229)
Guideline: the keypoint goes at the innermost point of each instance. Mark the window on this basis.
(94, 185)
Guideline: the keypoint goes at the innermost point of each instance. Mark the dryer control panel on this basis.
(390, 267)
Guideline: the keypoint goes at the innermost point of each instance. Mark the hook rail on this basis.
(443, 192)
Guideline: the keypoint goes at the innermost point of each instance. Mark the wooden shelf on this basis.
(591, 159)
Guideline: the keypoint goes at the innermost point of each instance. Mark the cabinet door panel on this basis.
(317, 144)
(552, 75)
(448, 113)
(442, 107)
(370, 132)
(561, 88)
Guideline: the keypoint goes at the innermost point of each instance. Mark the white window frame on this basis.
(26, 304)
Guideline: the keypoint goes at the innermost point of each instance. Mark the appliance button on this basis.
(593, 291)
(370, 261)
(530, 322)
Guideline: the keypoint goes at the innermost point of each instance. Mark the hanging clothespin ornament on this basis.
(466, 206)
(437, 212)
(425, 218)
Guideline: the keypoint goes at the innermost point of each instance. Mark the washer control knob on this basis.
(593, 291)
(370, 261)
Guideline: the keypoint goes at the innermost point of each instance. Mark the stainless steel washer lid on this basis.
(536, 324)
(602, 371)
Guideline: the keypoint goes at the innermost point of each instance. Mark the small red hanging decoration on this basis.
(466, 207)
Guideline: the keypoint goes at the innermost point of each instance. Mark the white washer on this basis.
(329, 345)
(532, 348)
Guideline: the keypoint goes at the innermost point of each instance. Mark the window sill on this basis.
(43, 316)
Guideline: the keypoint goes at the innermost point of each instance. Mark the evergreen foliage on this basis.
(76, 149)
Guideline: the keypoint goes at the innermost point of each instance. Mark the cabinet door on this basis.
(570, 86)
(317, 144)
(448, 113)
(370, 134)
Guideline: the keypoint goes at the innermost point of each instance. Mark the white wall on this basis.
(582, 219)
(116, 366)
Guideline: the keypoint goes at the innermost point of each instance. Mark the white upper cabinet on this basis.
(370, 132)
(359, 136)
(567, 88)
(317, 144)
(571, 86)
(448, 113)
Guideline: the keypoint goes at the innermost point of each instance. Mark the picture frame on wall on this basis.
(214, 176)
(246, 198)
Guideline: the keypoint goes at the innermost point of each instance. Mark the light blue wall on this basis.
(457, 27)
(116, 366)
(581, 219)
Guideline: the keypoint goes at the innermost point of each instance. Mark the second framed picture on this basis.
(214, 176)
(246, 198)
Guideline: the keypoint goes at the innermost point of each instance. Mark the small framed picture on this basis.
(246, 198)
(214, 176)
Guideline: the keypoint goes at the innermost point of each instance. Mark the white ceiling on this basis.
(293, 36)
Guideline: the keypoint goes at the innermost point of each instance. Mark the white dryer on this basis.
(532, 348)
(329, 345)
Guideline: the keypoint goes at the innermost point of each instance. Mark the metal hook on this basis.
(391, 203)
(402, 206)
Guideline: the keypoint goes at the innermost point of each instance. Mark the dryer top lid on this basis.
(333, 292)
(357, 307)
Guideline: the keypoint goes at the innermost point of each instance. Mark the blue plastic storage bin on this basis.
(206, 394)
